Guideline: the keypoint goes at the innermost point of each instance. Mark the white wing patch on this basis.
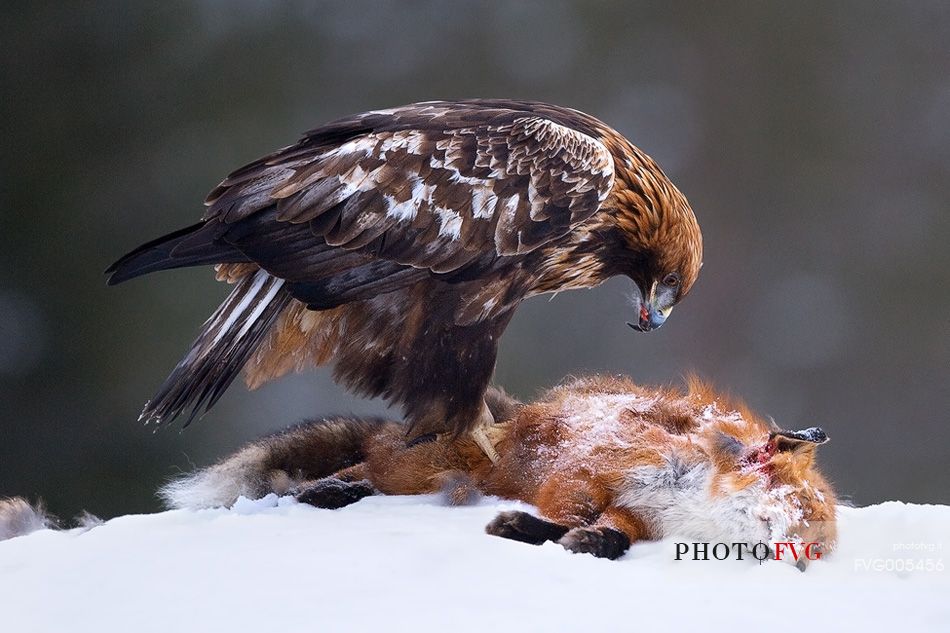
(402, 211)
(483, 203)
(450, 223)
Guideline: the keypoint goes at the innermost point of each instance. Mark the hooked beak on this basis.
(649, 317)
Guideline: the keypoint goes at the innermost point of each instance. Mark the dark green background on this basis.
(813, 140)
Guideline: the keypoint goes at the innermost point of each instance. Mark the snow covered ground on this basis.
(410, 563)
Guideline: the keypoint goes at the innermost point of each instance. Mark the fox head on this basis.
(774, 475)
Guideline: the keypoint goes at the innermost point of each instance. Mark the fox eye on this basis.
(672, 280)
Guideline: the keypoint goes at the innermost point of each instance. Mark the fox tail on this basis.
(277, 463)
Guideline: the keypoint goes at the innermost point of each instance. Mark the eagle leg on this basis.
(483, 431)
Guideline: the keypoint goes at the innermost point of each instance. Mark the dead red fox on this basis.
(606, 463)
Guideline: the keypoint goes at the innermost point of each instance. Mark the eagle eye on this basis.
(672, 280)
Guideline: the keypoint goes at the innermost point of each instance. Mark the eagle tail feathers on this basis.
(195, 245)
(226, 342)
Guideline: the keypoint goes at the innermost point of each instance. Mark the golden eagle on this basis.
(398, 244)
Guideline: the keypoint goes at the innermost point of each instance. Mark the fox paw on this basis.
(602, 542)
(332, 493)
(524, 527)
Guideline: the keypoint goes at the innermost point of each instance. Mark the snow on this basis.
(411, 563)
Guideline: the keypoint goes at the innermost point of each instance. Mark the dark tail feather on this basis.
(226, 342)
(195, 245)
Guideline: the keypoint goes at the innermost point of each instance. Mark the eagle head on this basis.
(659, 244)
(653, 301)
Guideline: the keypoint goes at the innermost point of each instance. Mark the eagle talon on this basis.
(486, 434)
(480, 435)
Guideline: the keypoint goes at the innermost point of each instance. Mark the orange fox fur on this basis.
(600, 458)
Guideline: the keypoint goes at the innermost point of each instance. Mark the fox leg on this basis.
(357, 472)
(572, 499)
(563, 500)
(583, 520)
(610, 536)
(602, 542)
(332, 493)
(524, 527)
(598, 540)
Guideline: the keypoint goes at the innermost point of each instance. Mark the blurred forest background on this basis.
(812, 139)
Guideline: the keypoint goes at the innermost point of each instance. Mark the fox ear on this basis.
(726, 450)
(728, 445)
(794, 441)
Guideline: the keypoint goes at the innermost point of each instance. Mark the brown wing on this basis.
(433, 186)
(377, 211)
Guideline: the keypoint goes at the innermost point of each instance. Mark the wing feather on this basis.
(432, 186)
